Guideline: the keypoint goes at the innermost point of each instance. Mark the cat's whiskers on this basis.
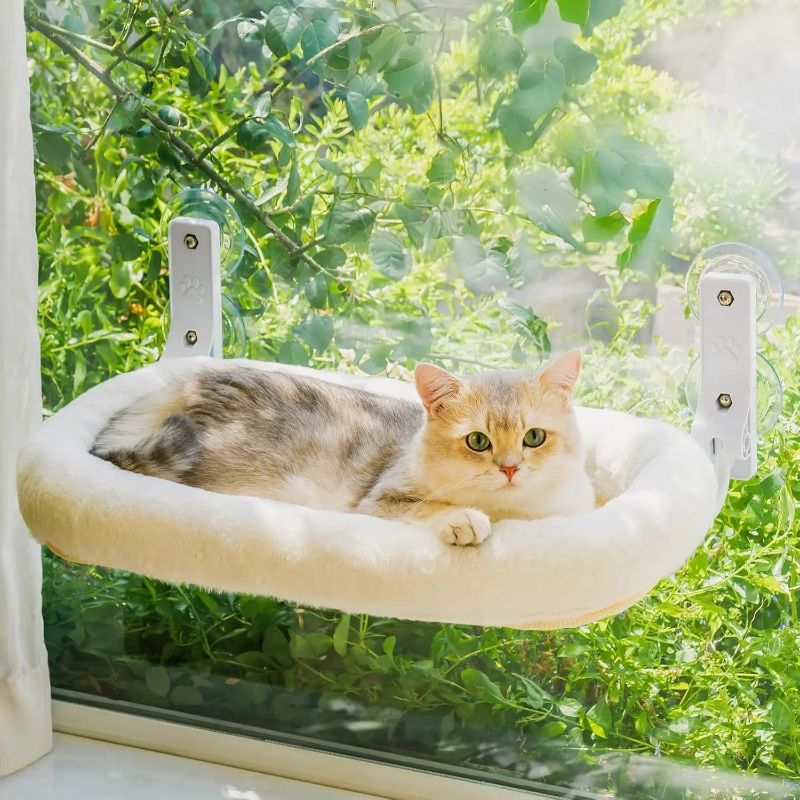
(448, 487)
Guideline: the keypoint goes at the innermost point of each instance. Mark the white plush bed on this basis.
(658, 488)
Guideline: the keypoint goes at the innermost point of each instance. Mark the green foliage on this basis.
(404, 177)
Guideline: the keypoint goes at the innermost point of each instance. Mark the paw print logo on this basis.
(726, 348)
(191, 289)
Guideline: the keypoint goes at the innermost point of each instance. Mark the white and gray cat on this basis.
(476, 450)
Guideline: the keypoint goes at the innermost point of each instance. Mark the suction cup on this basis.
(739, 259)
(769, 393)
(234, 334)
(205, 204)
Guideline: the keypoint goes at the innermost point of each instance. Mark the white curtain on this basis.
(25, 724)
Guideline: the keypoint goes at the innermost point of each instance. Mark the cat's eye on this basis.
(478, 441)
(534, 437)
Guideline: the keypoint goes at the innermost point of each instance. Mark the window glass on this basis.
(478, 185)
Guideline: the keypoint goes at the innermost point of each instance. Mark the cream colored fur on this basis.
(657, 486)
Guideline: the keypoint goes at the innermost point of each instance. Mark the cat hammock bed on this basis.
(658, 491)
(658, 486)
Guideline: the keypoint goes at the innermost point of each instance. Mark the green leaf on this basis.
(602, 229)
(781, 717)
(525, 13)
(256, 134)
(357, 109)
(483, 270)
(538, 93)
(570, 707)
(263, 104)
(599, 718)
(531, 328)
(358, 90)
(578, 64)
(410, 77)
(389, 255)
(549, 203)
(384, 49)
(599, 11)
(253, 135)
(311, 646)
(576, 11)
(552, 729)
(53, 148)
(143, 188)
(316, 37)
(648, 238)
(278, 130)
(186, 696)
(250, 30)
(316, 331)
(126, 246)
(256, 659)
(168, 156)
(316, 291)
(417, 339)
(643, 223)
(120, 279)
(125, 114)
(85, 322)
(282, 30)
(341, 634)
(500, 53)
(443, 167)
(153, 266)
(293, 184)
(157, 680)
(202, 72)
(480, 685)
(292, 352)
(539, 90)
(347, 222)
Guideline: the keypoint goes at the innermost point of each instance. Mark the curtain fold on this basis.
(25, 723)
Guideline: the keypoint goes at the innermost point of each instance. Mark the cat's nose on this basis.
(510, 470)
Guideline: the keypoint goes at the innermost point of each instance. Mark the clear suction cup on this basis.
(769, 393)
(205, 204)
(739, 259)
(234, 334)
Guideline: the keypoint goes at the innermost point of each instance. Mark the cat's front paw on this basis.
(462, 526)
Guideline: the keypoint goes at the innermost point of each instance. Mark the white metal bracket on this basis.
(726, 418)
(195, 292)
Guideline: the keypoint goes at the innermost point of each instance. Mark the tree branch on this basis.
(41, 26)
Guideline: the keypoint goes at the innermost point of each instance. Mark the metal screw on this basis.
(190, 240)
(725, 298)
(724, 401)
(191, 337)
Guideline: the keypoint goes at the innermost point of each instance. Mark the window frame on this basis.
(297, 762)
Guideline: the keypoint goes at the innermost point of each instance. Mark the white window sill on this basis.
(86, 769)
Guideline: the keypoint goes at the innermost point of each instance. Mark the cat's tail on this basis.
(171, 451)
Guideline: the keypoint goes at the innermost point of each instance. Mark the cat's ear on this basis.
(435, 387)
(562, 374)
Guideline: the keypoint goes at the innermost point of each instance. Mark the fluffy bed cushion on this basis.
(657, 489)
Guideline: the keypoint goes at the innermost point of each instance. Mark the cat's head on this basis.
(506, 432)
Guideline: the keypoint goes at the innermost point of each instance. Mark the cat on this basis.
(474, 451)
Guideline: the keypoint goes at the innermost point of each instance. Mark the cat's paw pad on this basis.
(463, 527)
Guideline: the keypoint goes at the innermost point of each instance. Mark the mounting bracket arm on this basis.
(195, 290)
(726, 418)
